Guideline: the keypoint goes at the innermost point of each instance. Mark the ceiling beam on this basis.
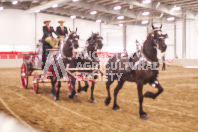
(162, 8)
(80, 14)
(45, 6)
(102, 8)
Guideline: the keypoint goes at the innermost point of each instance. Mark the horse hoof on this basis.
(148, 94)
(84, 89)
(56, 98)
(117, 108)
(144, 117)
(107, 101)
(70, 96)
(93, 101)
(79, 90)
(75, 96)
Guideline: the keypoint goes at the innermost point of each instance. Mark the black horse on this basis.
(65, 55)
(141, 70)
(90, 57)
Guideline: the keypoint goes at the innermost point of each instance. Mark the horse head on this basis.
(95, 41)
(162, 45)
(157, 31)
(73, 39)
(70, 44)
(159, 38)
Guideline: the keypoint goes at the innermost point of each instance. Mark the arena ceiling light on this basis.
(131, 7)
(120, 25)
(1, 8)
(75, 0)
(176, 8)
(15, 2)
(37, 11)
(117, 7)
(170, 18)
(120, 17)
(55, 5)
(145, 13)
(93, 12)
(146, 1)
(144, 22)
(73, 17)
(98, 21)
(35, 1)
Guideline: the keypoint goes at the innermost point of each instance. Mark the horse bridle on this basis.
(156, 40)
(75, 38)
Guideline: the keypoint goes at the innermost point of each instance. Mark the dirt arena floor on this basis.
(176, 109)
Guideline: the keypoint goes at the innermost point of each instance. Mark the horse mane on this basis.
(71, 34)
(92, 35)
(149, 37)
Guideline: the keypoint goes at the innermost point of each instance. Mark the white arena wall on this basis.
(20, 32)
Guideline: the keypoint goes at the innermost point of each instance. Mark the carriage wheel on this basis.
(35, 83)
(24, 75)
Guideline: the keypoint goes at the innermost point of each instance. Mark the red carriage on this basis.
(33, 62)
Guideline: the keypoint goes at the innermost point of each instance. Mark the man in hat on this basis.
(48, 30)
(61, 30)
(48, 39)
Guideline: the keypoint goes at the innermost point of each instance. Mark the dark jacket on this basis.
(60, 32)
(48, 33)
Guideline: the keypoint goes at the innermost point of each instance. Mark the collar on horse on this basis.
(143, 58)
(61, 55)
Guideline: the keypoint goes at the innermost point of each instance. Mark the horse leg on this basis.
(73, 93)
(154, 95)
(92, 90)
(79, 87)
(82, 88)
(53, 81)
(58, 91)
(117, 89)
(108, 83)
(143, 114)
(85, 87)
